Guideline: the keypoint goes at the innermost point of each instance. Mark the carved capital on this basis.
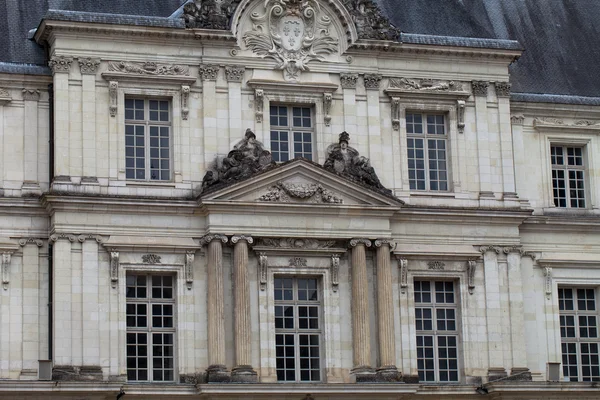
(88, 65)
(480, 88)
(6, 257)
(381, 242)
(185, 97)
(31, 94)
(259, 96)
(113, 89)
(25, 241)
(485, 249)
(234, 73)
(335, 268)
(348, 81)
(517, 119)
(357, 241)
(372, 81)
(208, 72)
(60, 64)
(66, 236)
(327, 100)
(83, 238)
(209, 238)
(513, 249)
(236, 238)
(502, 89)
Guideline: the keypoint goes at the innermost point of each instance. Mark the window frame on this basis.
(577, 339)
(425, 136)
(291, 130)
(584, 168)
(147, 123)
(435, 332)
(149, 330)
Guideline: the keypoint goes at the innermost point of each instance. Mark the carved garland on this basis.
(148, 68)
(293, 33)
(294, 243)
(313, 193)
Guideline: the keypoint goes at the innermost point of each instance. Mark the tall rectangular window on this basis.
(579, 334)
(292, 131)
(437, 331)
(298, 308)
(147, 139)
(568, 176)
(150, 317)
(427, 145)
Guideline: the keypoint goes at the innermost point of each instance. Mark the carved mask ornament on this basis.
(293, 33)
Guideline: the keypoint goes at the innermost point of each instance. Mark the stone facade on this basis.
(230, 220)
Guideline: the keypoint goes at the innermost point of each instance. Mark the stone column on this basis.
(361, 335)
(217, 372)
(243, 371)
(385, 313)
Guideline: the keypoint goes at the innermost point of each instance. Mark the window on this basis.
(568, 178)
(579, 334)
(291, 133)
(147, 139)
(427, 141)
(298, 329)
(150, 328)
(437, 331)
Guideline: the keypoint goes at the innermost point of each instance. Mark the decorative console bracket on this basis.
(114, 267)
(335, 268)
(263, 263)
(189, 268)
(327, 100)
(471, 268)
(403, 265)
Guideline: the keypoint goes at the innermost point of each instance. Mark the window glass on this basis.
(427, 152)
(291, 132)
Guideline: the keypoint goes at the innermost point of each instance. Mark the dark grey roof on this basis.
(561, 38)
(116, 19)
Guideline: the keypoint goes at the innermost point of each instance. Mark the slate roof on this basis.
(561, 37)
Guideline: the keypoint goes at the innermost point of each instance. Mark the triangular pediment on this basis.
(300, 182)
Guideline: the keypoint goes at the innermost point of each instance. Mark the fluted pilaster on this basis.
(385, 312)
(243, 370)
(360, 308)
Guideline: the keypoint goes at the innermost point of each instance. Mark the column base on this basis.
(364, 374)
(217, 374)
(388, 373)
(244, 374)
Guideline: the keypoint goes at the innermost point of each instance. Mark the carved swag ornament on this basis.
(247, 158)
(346, 161)
(310, 192)
(293, 33)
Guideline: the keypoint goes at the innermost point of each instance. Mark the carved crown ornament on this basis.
(293, 33)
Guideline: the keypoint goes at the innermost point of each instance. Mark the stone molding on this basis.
(60, 64)
(31, 94)
(327, 101)
(372, 81)
(348, 81)
(208, 72)
(310, 192)
(335, 269)
(148, 68)
(31, 240)
(88, 66)
(551, 122)
(357, 241)
(293, 34)
(236, 238)
(235, 73)
(213, 236)
(151, 259)
(113, 90)
(185, 97)
(480, 88)
(502, 89)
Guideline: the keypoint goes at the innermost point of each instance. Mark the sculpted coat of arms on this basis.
(293, 33)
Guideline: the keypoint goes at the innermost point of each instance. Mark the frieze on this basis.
(372, 81)
(247, 158)
(88, 65)
(560, 123)
(208, 72)
(151, 259)
(425, 85)
(348, 81)
(370, 22)
(293, 33)
(148, 68)
(345, 161)
(31, 94)
(436, 265)
(60, 64)
(294, 243)
(234, 73)
(502, 89)
(298, 262)
(309, 192)
(480, 88)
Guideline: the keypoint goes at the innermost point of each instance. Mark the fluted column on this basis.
(217, 372)
(243, 371)
(361, 335)
(385, 312)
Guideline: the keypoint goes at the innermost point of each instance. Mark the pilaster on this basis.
(348, 82)
(31, 184)
(480, 92)
(88, 68)
(31, 299)
(60, 66)
(208, 74)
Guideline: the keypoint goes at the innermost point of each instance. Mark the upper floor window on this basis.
(147, 139)
(437, 331)
(298, 331)
(568, 176)
(292, 132)
(427, 145)
(579, 334)
(150, 316)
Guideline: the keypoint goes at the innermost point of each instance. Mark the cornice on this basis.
(460, 215)
(101, 204)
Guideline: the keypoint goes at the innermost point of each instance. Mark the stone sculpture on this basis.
(209, 14)
(346, 161)
(247, 158)
(370, 22)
